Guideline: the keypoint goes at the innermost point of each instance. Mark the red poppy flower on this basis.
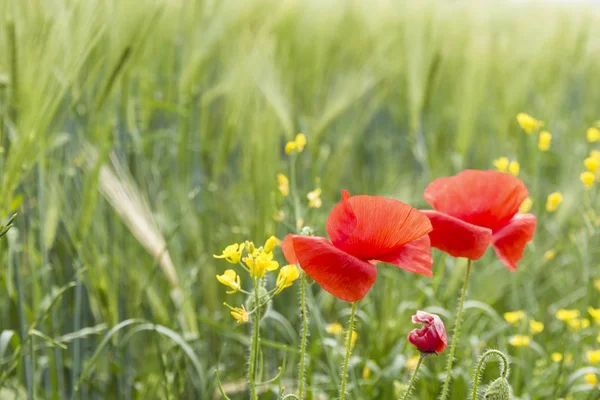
(364, 230)
(431, 338)
(476, 209)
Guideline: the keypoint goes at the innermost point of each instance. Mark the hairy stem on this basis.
(461, 303)
(414, 377)
(481, 367)
(303, 311)
(254, 342)
(348, 352)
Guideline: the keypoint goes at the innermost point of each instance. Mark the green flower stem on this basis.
(480, 368)
(348, 352)
(414, 376)
(254, 343)
(461, 303)
(304, 335)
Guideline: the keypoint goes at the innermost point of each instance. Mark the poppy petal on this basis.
(368, 227)
(344, 276)
(484, 198)
(287, 246)
(509, 242)
(456, 237)
(413, 257)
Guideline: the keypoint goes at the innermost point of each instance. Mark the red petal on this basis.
(456, 237)
(484, 198)
(344, 276)
(287, 246)
(413, 257)
(509, 242)
(371, 226)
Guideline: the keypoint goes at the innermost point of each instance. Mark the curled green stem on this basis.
(481, 366)
(414, 377)
(348, 352)
(461, 303)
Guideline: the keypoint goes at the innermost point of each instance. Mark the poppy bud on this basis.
(431, 338)
(498, 390)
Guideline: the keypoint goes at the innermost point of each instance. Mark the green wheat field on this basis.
(140, 138)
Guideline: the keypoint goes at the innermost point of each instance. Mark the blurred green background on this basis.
(140, 138)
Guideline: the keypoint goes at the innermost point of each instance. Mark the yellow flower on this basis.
(232, 253)
(289, 147)
(231, 279)
(366, 372)
(588, 179)
(240, 314)
(353, 339)
(544, 141)
(567, 315)
(590, 378)
(412, 362)
(592, 134)
(598, 338)
(501, 164)
(514, 168)
(553, 201)
(283, 184)
(287, 275)
(271, 243)
(314, 198)
(593, 356)
(519, 340)
(526, 205)
(512, 317)
(595, 154)
(335, 328)
(597, 284)
(591, 163)
(261, 263)
(528, 123)
(556, 357)
(595, 313)
(549, 255)
(577, 324)
(300, 142)
(535, 327)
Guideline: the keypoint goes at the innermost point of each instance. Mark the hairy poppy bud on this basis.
(431, 338)
(498, 390)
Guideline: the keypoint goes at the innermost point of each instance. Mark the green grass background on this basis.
(195, 100)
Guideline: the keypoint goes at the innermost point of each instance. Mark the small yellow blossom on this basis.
(279, 216)
(290, 146)
(535, 327)
(544, 141)
(300, 142)
(366, 372)
(519, 340)
(353, 339)
(230, 278)
(578, 324)
(287, 275)
(594, 313)
(335, 328)
(595, 154)
(501, 164)
(271, 243)
(567, 315)
(549, 255)
(591, 378)
(528, 123)
(232, 253)
(514, 168)
(411, 363)
(512, 317)
(592, 134)
(240, 314)
(598, 338)
(587, 178)
(593, 356)
(597, 284)
(261, 263)
(553, 201)
(556, 357)
(283, 184)
(591, 163)
(314, 198)
(526, 205)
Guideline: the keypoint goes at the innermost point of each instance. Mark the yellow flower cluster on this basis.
(513, 317)
(573, 319)
(283, 184)
(528, 123)
(592, 134)
(553, 201)
(519, 341)
(296, 144)
(591, 378)
(503, 164)
(314, 198)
